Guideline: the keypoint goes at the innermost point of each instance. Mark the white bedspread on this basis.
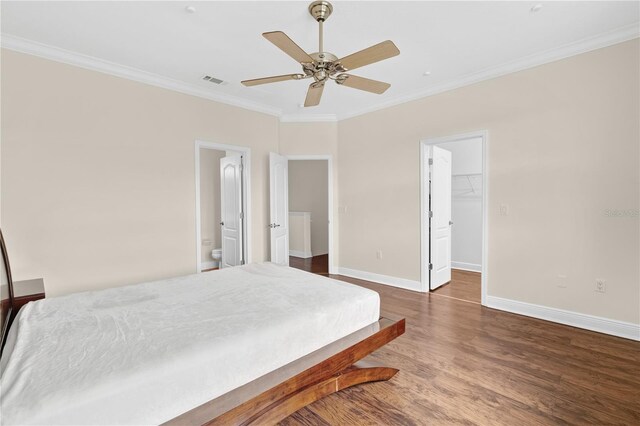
(145, 353)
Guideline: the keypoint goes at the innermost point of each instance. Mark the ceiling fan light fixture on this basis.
(323, 66)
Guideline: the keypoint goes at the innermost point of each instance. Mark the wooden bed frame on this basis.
(276, 395)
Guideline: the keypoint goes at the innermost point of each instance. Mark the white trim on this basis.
(588, 44)
(57, 54)
(585, 45)
(329, 159)
(209, 264)
(463, 266)
(246, 153)
(308, 118)
(381, 279)
(575, 319)
(424, 231)
(301, 254)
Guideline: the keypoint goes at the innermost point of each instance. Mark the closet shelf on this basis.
(466, 185)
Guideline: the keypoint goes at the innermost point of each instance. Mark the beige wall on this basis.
(210, 201)
(309, 192)
(98, 185)
(564, 148)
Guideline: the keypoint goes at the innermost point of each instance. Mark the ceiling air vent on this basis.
(212, 79)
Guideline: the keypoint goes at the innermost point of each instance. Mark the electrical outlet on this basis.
(504, 210)
(561, 281)
(379, 254)
(601, 286)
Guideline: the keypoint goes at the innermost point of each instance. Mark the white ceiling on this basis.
(458, 42)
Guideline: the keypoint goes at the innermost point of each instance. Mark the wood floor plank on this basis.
(316, 264)
(304, 417)
(461, 363)
(463, 286)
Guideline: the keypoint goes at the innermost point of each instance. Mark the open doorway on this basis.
(301, 211)
(454, 216)
(308, 200)
(222, 213)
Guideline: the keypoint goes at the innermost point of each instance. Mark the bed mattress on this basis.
(145, 353)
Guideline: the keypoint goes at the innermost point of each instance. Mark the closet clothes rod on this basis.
(465, 174)
(468, 178)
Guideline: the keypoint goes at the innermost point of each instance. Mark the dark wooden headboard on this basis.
(6, 292)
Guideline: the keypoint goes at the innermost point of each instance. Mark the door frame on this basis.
(329, 160)
(246, 190)
(424, 217)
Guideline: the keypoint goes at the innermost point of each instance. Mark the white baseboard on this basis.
(381, 279)
(208, 265)
(299, 253)
(589, 322)
(466, 266)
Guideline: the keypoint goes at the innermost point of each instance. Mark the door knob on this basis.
(221, 223)
(450, 222)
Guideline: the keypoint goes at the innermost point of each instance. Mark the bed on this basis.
(243, 345)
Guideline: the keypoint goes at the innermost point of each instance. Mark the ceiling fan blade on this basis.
(282, 41)
(372, 54)
(274, 79)
(314, 94)
(362, 83)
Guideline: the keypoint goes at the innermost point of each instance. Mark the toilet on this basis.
(216, 255)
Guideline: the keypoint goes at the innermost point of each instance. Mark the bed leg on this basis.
(358, 373)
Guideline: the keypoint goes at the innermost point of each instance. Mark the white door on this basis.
(440, 221)
(279, 208)
(231, 213)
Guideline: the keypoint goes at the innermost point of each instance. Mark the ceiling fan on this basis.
(324, 66)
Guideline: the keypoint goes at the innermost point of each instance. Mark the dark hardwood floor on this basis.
(464, 285)
(461, 363)
(315, 264)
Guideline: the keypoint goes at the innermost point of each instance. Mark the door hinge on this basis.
(430, 214)
(242, 215)
(430, 266)
(430, 161)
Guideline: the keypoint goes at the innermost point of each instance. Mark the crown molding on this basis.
(585, 45)
(610, 38)
(57, 54)
(308, 118)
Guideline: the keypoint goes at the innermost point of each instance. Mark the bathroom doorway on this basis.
(222, 206)
(309, 202)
